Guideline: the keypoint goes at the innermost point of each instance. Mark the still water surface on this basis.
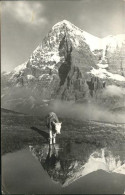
(65, 168)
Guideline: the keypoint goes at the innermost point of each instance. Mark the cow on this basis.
(54, 126)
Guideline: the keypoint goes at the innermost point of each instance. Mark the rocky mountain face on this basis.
(69, 64)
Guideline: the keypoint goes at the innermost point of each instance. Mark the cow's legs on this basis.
(50, 136)
(54, 138)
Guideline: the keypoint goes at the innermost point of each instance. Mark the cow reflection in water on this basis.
(58, 161)
(52, 160)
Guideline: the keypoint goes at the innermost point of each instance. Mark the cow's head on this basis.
(58, 128)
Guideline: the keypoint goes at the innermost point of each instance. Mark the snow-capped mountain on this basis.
(69, 64)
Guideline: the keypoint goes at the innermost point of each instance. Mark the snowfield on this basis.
(103, 74)
(19, 68)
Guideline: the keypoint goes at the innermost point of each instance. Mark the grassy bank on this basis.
(19, 131)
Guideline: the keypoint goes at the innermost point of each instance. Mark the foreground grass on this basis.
(17, 132)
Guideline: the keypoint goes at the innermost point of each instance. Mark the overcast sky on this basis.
(25, 23)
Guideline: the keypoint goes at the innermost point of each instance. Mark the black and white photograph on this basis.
(63, 97)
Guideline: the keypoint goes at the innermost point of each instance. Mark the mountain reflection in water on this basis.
(68, 161)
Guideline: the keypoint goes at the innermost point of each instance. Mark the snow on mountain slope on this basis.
(93, 41)
(74, 33)
(112, 57)
(20, 68)
(113, 41)
(103, 74)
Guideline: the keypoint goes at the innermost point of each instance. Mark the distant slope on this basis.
(6, 111)
(119, 110)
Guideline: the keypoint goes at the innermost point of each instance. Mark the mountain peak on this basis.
(69, 25)
(66, 22)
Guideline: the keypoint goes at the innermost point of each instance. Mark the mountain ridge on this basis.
(65, 66)
(88, 38)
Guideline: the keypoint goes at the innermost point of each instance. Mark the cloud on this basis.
(86, 112)
(26, 12)
(113, 90)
